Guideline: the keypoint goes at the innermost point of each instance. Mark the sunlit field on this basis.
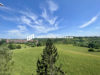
(74, 60)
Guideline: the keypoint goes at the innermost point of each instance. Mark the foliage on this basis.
(76, 41)
(46, 66)
(31, 44)
(91, 45)
(91, 50)
(12, 46)
(2, 42)
(39, 44)
(6, 62)
(18, 47)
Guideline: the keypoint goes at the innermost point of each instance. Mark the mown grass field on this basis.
(75, 60)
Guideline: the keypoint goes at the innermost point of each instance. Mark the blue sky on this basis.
(49, 18)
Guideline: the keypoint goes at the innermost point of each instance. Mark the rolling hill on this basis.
(74, 60)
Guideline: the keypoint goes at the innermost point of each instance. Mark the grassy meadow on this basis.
(74, 60)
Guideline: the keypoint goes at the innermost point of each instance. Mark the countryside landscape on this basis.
(74, 55)
(49, 37)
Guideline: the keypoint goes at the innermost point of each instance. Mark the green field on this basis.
(75, 60)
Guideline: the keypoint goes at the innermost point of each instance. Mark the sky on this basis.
(49, 18)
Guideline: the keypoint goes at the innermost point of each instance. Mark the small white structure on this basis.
(30, 37)
(69, 37)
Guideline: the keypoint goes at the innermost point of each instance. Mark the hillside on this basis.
(75, 60)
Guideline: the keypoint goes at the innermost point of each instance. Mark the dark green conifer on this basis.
(46, 66)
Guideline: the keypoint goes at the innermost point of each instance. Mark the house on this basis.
(15, 41)
(20, 41)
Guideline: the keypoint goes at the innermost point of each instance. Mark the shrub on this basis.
(39, 44)
(91, 50)
(6, 62)
(2, 42)
(98, 50)
(18, 47)
(31, 44)
(12, 46)
(91, 45)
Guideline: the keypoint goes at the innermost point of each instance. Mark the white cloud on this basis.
(48, 18)
(30, 15)
(43, 29)
(53, 20)
(5, 8)
(31, 18)
(20, 32)
(39, 25)
(13, 31)
(9, 18)
(22, 28)
(52, 6)
(25, 20)
(17, 35)
(42, 23)
(44, 15)
(89, 22)
(50, 36)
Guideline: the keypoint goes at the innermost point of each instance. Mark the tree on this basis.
(18, 47)
(12, 46)
(31, 44)
(39, 44)
(6, 62)
(2, 42)
(46, 66)
(91, 45)
(91, 50)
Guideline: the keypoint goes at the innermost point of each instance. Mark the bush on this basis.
(2, 42)
(30, 44)
(12, 46)
(18, 47)
(6, 62)
(91, 50)
(98, 50)
(91, 45)
(39, 44)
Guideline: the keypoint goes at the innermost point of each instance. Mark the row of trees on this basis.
(33, 44)
(77, 41)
